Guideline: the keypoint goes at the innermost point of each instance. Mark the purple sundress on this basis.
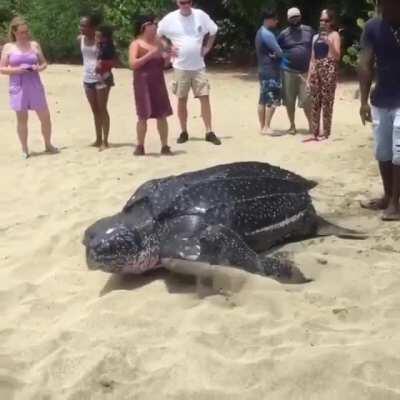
(26, 90)
(151, 95)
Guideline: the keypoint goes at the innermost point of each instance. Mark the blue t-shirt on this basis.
(379, 37)
(269, 54)
(296, 44)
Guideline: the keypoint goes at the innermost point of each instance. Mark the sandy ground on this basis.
(67, 333)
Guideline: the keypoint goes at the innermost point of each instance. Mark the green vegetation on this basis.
(55, 22)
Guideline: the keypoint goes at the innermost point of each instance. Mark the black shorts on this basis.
(108, 82)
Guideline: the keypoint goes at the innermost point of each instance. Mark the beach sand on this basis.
(69, 333)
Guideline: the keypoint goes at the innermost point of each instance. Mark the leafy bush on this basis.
(55, 22)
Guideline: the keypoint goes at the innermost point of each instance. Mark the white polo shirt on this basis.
(187, 34)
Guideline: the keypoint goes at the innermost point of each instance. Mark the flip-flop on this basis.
(292, 131)
(372, 205)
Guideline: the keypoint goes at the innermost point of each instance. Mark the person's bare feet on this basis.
(97, 143)
(270, 132)
(52, 149)
(267, 131)
(139, 150)
(392, 213)
(375, 204)
(104, 146)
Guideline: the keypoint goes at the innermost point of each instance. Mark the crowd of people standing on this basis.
(297, 65)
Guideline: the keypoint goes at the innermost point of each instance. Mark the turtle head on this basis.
(116, 246)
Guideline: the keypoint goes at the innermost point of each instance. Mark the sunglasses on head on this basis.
(185, 2)
(146, 24)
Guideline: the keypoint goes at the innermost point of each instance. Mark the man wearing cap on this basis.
(296, 43)
(186, 29)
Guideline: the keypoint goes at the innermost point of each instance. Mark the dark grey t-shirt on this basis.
(379, 37)
(296, 44)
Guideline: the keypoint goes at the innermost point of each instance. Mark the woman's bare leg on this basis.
(102, 101)
(162, 126)
(92, 99)
(22, 129)
(141, 130)
(45, 121)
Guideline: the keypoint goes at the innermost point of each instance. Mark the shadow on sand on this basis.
(201, 139)
(175, 283)
(46, 153)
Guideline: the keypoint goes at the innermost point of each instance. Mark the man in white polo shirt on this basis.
(186, 29)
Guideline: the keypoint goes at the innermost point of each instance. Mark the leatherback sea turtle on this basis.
(224, 215)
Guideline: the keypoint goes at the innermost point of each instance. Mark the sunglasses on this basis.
(146, 24)
(185, 2)
(324, 20)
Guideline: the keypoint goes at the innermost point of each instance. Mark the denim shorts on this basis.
(108, 82)
(386, 124)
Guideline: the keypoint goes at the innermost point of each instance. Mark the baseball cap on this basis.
(293, 12)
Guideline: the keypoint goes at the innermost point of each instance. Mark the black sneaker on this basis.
(166, 151)
(183, 138)
(211, 137)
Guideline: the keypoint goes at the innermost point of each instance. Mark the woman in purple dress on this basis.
(22, 59)
(151, 96)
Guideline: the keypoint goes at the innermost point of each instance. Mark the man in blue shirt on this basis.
(381, 47)
(296, 43)
(269, 56)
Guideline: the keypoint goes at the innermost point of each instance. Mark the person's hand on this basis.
(21, 70)
(174, 51)
(365, 113)
(156, 53)
(325, 38)
(35, 67)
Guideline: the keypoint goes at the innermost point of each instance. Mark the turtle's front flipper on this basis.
(221, 246)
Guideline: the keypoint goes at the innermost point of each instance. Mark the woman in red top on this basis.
(151, 96)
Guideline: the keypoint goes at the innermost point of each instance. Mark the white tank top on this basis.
(89, 55)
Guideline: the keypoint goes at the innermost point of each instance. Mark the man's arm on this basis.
(209, 45)
(212, 29)
(366, 76)
(272, 44)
